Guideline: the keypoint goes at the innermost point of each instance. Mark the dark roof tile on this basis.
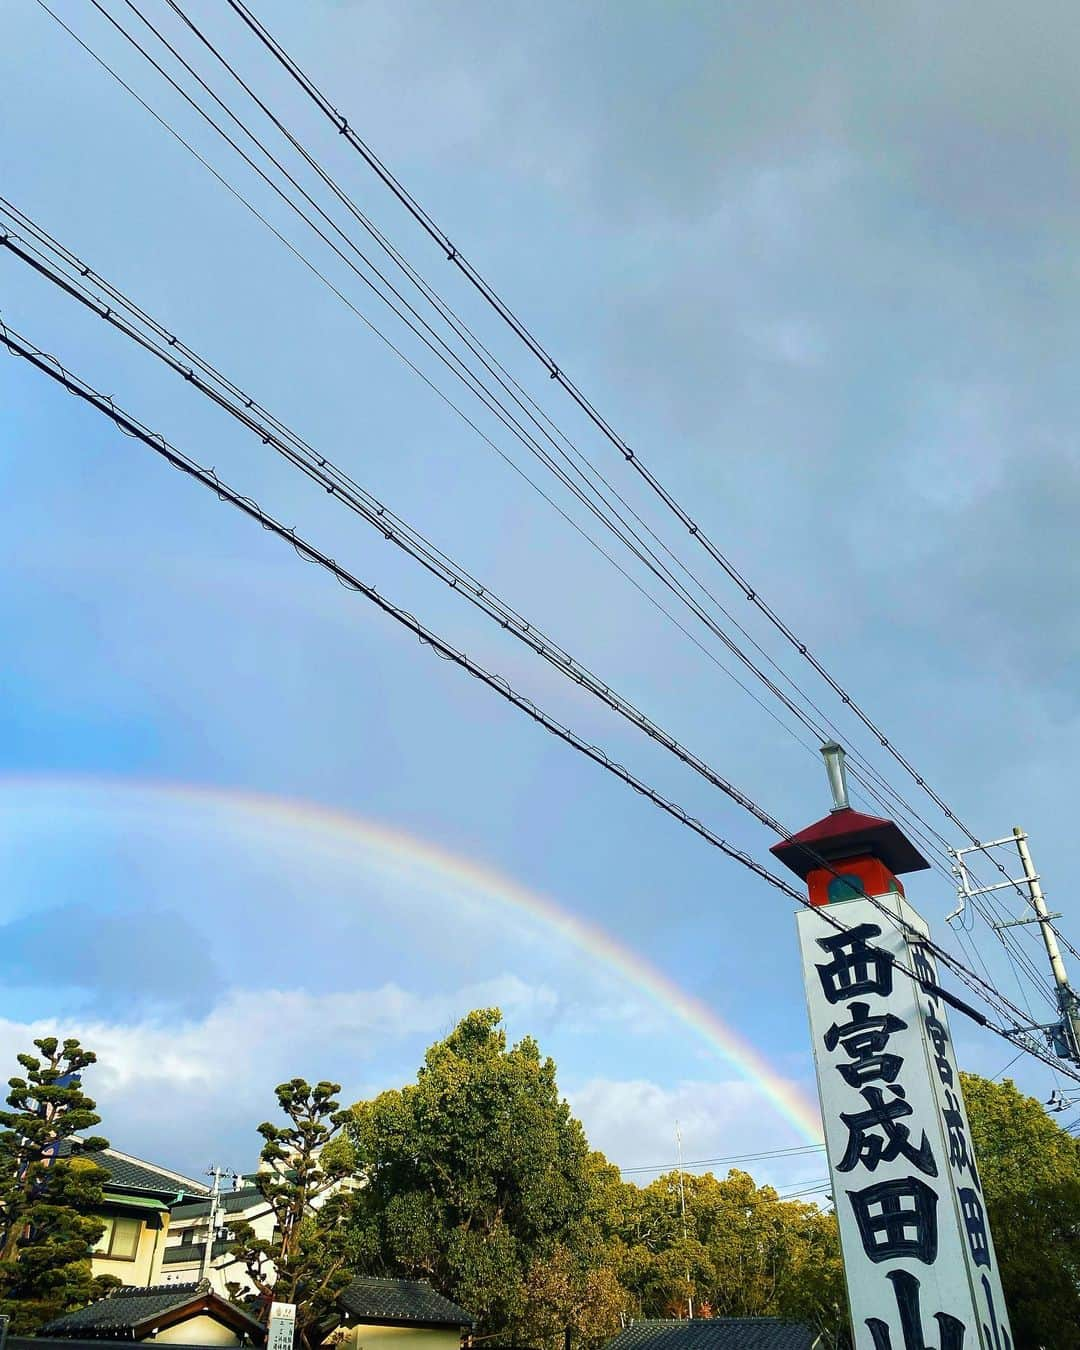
(122, 1313)
(231, 1202)
(133, 1174)
(367, 1299)
(192, 1252)
(714, 1333)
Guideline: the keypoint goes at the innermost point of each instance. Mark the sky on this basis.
(818, 266)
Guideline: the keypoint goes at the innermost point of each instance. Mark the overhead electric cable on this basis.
(391, 526)
(795, 1151)
(412, 366)
(985, 982)
(523, 400)
(896, 804)
(208, 478)
(316, 466)
(632, 457)
(651, 561)
(663, 574)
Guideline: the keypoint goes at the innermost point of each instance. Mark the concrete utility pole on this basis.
(1064, 1035)
(1067, 1001)
(215, 1199)
(682, 1206)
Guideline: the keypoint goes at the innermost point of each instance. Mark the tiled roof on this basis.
(714, 1333)
(133, 1174)
(367, 1299)
(181, 1253)
(125, 1309)
(230, 1201)
(123, 1313)
(75, 1342)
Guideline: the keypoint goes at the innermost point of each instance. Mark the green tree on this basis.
(478, 1178)
(1030, 1171)
(739, 1251)
(48, 1191)
(305, 1179)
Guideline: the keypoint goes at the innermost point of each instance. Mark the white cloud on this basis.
(178, 1091)
(633, 1122)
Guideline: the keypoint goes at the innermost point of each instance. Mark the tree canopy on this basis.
(1030, 1171)
(305, 1178)
(48, 1190)
(477, 1177)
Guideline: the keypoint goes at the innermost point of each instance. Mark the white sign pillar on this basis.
(282, 1326)
(918, 1256)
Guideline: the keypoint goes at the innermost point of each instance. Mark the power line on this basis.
(557, 374)
(1007, 1067)
(518, 394)
(609, 515)
(319, 468)
(794, 1152)
(303, 259)
(393, 528)
(209, 479)
(615, 522)
(516, 391)
(618, 525)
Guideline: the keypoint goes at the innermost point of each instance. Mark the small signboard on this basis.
(3, 1331)
(280, 1332)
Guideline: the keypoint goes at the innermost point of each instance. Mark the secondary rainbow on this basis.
(334, 830)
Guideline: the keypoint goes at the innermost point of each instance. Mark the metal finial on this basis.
(833, 756)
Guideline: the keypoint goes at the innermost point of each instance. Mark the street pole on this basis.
(207, 1261)
(1067, 1002)
(682, 1206)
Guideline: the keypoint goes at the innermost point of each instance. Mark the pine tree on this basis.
(304, 1166)
(48, 1189)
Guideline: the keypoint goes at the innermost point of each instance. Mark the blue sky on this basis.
(821, 272)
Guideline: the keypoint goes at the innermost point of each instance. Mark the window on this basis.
(120, 1240)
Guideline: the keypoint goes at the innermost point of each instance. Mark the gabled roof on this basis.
(367, 1299)
(134, 1313)
(714, 1333)
(77, 1342)
(127, 1173)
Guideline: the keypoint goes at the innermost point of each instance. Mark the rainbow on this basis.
(340, 832)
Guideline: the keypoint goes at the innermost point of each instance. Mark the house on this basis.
(397, 1315)
(137, 1199)
(715, 1333)
(199, 1235)
(201, 1232)
(179, 1314)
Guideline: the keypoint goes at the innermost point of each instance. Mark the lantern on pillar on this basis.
(919, 1259)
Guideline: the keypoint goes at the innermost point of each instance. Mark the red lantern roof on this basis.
(847, 834)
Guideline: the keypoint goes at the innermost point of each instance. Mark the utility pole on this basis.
(682, 1206)
(1064, 1034)
(1067, 1001)
(215, 1201)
